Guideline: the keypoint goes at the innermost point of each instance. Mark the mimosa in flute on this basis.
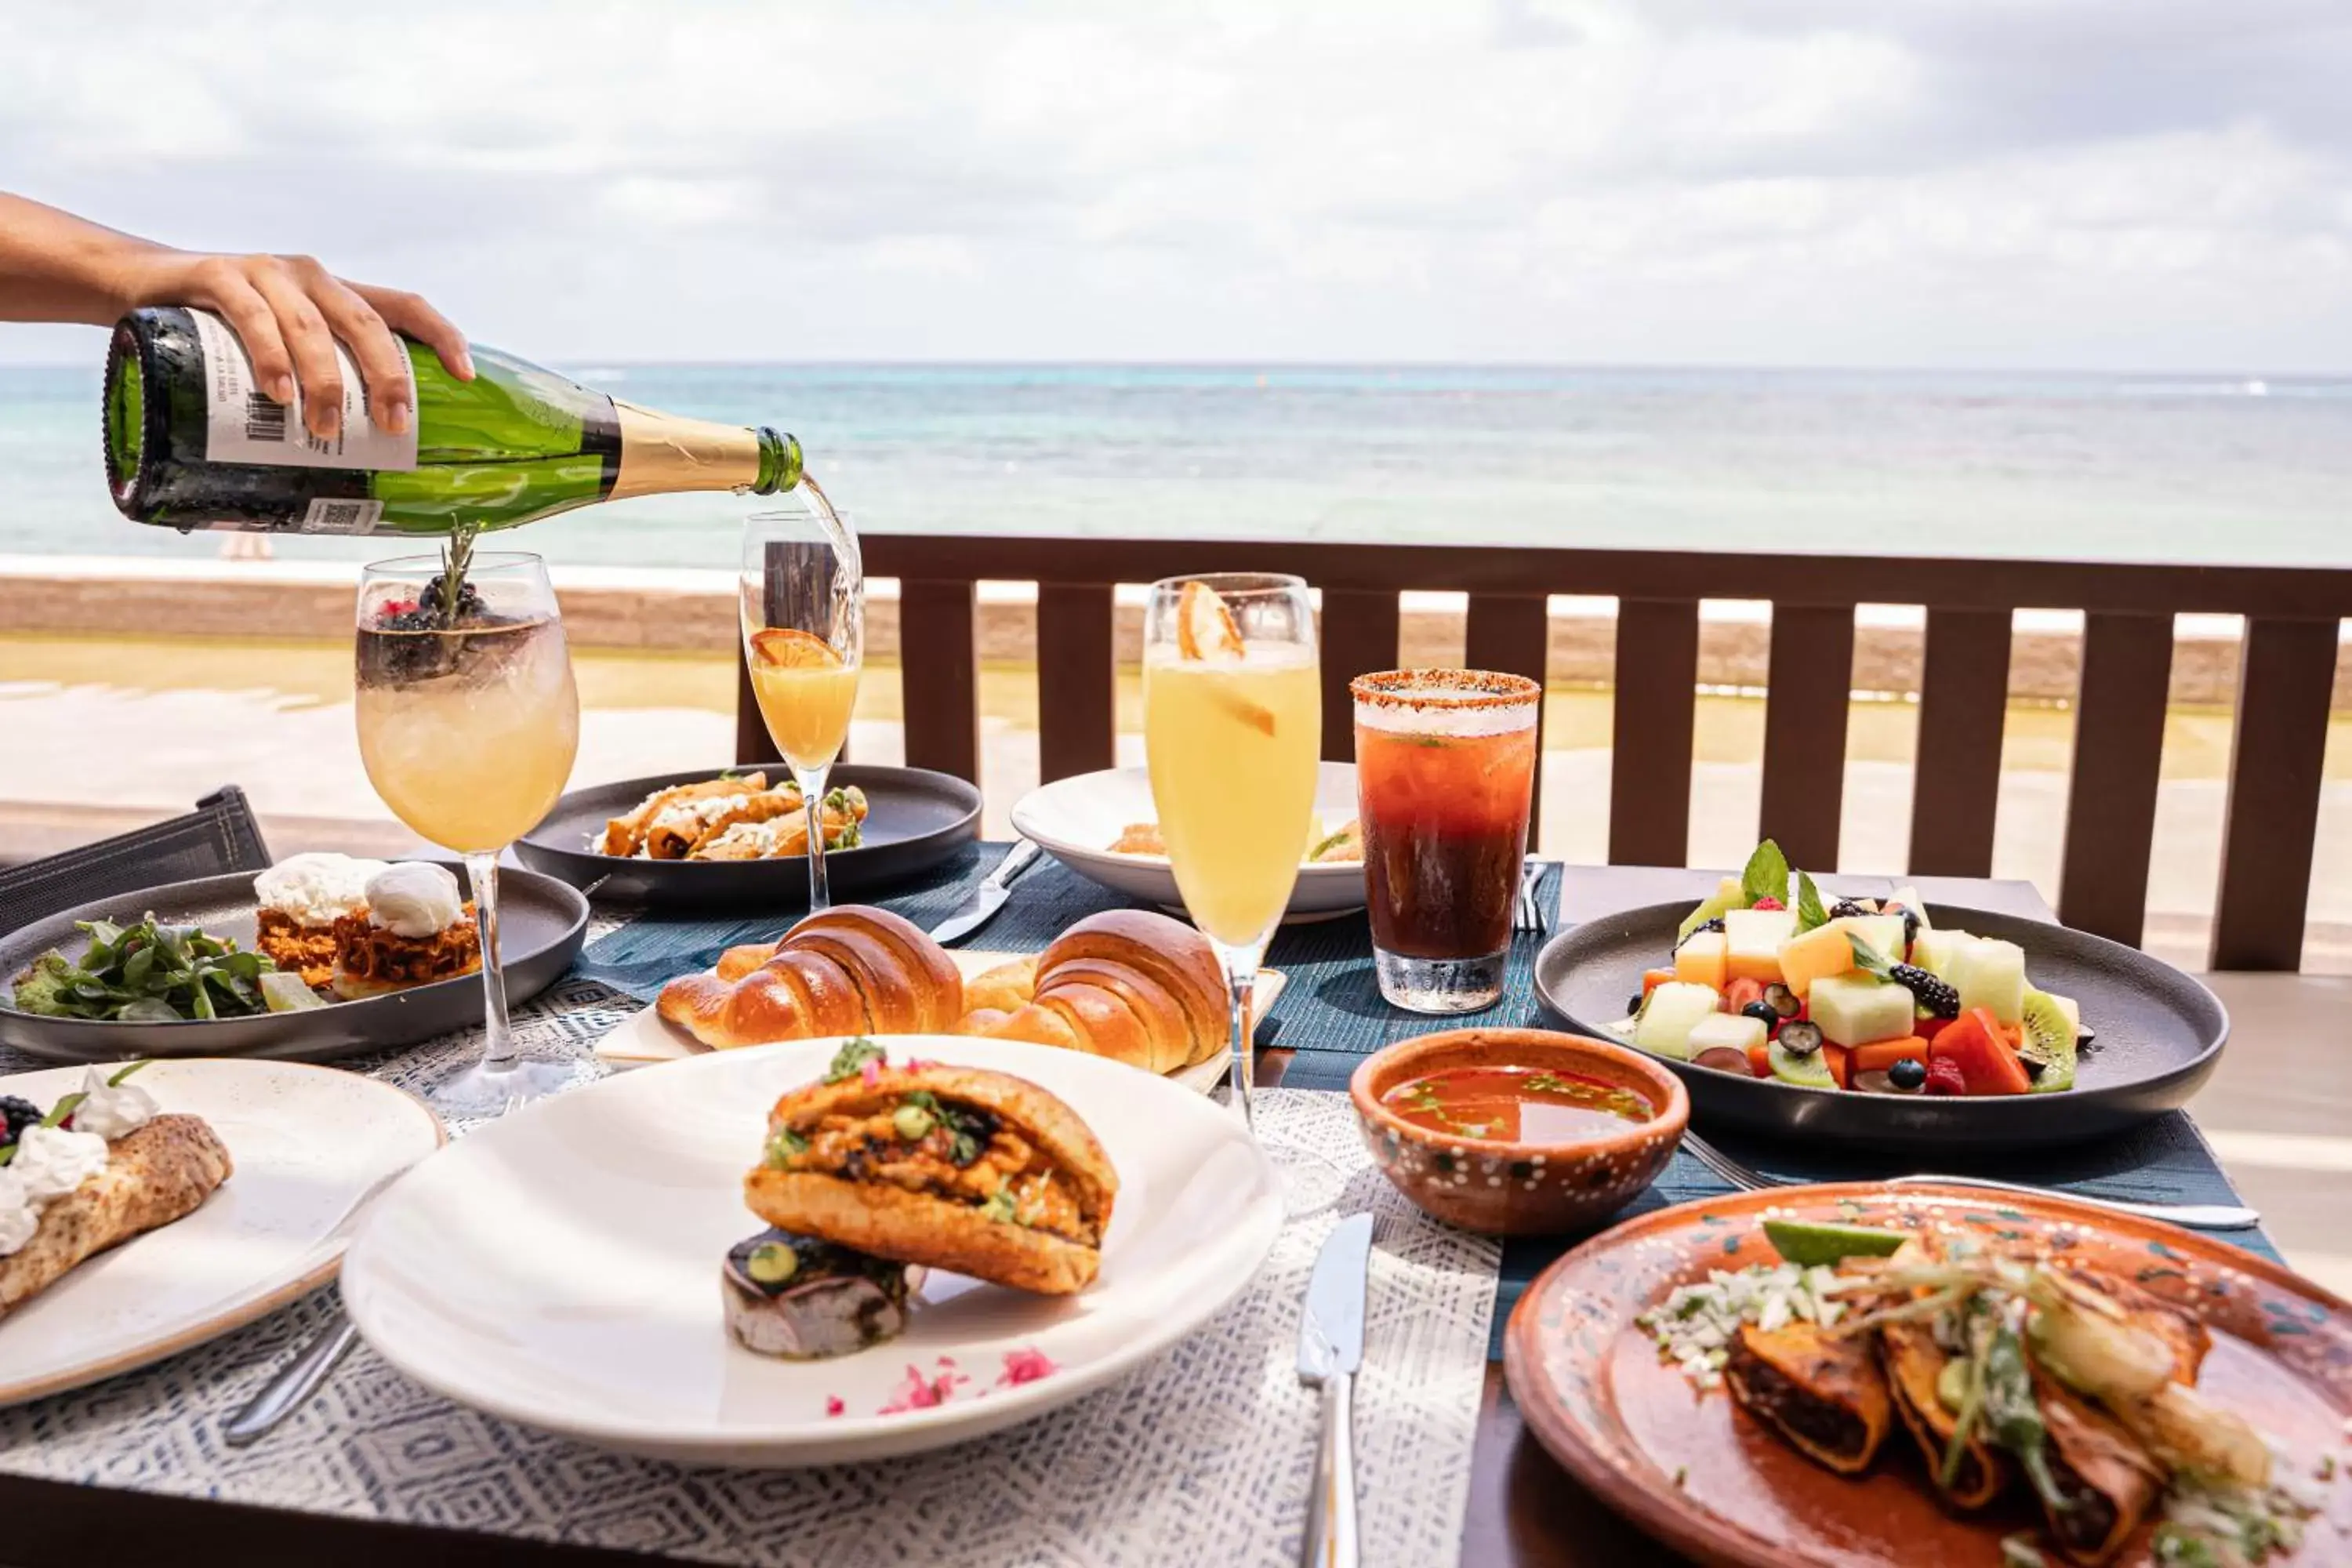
(803, 609)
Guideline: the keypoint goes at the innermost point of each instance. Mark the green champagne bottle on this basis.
(192, 443)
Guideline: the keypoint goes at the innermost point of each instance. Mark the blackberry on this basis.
(1714, 924)
(1847, 908)
(19, 1114)
(424, 613)
(1940, 1000)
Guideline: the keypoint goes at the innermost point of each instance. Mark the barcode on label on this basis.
(263, 420)
(340, 516)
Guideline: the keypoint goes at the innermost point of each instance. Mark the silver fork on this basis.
(1527, 910)
(2193, 1216)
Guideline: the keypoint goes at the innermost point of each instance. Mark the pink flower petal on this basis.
(833, 1405)
(871, 1073)
(1026, 1366)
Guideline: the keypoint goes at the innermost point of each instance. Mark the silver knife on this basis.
(300, 1378)
(994, 891)
(1330, 1348)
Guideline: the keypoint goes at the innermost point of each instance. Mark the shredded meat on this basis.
(365, 951)
(868, 1149)
(1770, 1394)
(309, 949)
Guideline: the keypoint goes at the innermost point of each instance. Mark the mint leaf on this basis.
(1810, 915)
(1767, 874)
(1868, 959)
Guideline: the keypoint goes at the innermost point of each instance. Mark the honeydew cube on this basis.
(1821, 951)
(1882, 932)
(1735, 1031)
(1935, 949)
(1991, 973)
(1753, 938)
(1855, 1009)
(1675, 1009)
(1700, 961)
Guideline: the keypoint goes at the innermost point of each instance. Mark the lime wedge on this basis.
(1807, 1242)
(284, 993)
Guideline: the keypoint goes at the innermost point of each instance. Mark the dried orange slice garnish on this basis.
(1205, 628)
(786, 647)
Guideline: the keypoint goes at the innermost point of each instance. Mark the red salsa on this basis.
(1518, 1105)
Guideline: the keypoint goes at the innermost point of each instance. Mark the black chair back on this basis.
(220, 836)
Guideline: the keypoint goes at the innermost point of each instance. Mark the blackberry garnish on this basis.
(1846, 909)
(19, 1113)
(1940, 1000)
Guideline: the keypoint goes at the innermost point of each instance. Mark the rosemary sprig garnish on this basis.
(457, 556)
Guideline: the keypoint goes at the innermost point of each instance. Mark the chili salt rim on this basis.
(1421, 689)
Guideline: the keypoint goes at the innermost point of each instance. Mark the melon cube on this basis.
(1700, 961)
(1935, 949)
(1882, 932)
(1991, 973)
(1855, 1009)
(1753, 943)
(1735, 1031)
(1823, 951)
(1675, 1009)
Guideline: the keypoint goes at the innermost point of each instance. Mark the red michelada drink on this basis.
(1445, 762)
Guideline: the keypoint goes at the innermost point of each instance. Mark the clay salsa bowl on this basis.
(1509, 1188)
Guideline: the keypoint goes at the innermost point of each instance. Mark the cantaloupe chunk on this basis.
(1823, 951)
(1753, 938)
(1700, 961)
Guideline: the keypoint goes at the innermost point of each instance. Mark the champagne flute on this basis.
(803, 611)
(1233, 723)
(469, 722)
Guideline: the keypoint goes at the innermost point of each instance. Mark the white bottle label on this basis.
(244, 426)
(326, 516)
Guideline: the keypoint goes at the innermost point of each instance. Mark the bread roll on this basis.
(848, 970)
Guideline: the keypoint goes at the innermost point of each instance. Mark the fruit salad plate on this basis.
(560, 1268)
(915, 819)
(2154, 1036)
(1679, 1442)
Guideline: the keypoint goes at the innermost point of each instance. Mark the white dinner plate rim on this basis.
(250, 1308)
(843, 1437)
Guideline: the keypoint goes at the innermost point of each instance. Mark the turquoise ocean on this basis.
(2188, 467)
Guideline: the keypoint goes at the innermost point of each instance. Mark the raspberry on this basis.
(1768, 903)
(1944, 1076)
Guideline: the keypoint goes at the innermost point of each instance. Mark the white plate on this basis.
(1076, 817)
(306, 1143)
(560, 1267)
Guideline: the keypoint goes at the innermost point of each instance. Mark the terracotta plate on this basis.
(1589, 1382)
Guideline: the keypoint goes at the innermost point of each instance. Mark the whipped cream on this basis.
(112, 1110)
(316, 889)
(20, 1216)
(51, 1162)
(413, 899)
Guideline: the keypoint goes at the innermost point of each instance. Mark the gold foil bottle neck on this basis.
(663, 453)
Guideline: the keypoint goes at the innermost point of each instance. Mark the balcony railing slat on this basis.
(939, 659)
(1805, 732)
(1654, 715)
(1963, 709)
(1359, 635)
(2111, 799)
(2287, 676)
(1512, 633)
(1077, 696)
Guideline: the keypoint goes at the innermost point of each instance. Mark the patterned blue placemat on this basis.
(1332, 1016)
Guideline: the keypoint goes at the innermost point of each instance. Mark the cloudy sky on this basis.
(2129, 183)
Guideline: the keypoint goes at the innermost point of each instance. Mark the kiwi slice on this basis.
(2046, 1038)
(1809, 1069)
(1807, 1242)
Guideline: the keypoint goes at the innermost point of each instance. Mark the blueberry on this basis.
(1908, 1072)
(1763, 1012)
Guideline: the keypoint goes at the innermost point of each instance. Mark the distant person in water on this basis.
(286, 309)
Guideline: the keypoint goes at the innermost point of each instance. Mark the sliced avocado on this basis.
(2046, 1035)
(1808, 1242)
(1809, 1069)
(1727, 896)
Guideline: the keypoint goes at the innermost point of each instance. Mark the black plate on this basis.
(2159, 1035)
(915, 819)
(541, 923)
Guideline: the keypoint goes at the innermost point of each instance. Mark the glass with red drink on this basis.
(1446, 764)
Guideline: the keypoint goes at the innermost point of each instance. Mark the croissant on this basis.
(852, 969)
(1129, 984)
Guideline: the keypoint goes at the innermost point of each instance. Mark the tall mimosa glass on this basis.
(803, 612)
(1233, 720)
(467, 725)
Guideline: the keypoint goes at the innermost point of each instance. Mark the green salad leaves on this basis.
(150, 973)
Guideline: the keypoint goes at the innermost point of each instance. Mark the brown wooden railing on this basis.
(2286, 676)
